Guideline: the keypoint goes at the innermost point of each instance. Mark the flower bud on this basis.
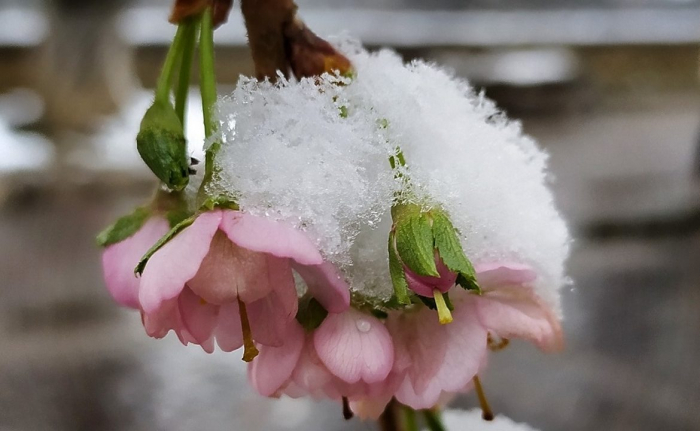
(162, 145)
(426, 256)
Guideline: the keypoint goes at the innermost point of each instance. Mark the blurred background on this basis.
(609, 87)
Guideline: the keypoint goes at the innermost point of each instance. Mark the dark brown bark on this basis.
(265, 21)
(280, 41)
(309, 55)
(186, 8)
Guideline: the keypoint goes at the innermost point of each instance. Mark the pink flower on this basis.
(228, 277)
(445, 358)
(350, 355)
(120, 259)
(510, 308)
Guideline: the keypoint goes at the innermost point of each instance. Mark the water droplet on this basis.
(363, 325)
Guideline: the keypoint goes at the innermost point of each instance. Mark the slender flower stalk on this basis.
(410, 422)
(207, 76)
(433, 420)
(165, 79)
(190, 26)
(486, 412)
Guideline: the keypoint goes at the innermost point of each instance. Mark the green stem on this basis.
(166, 75)
(410, 423)
(206, 70)
(183, 83)
(433, 420)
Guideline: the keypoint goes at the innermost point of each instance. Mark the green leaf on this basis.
(162, 145)
(162, 241)
(311, 313)
(124, 227)
(451, 252)
(398, 277)
(414, 243)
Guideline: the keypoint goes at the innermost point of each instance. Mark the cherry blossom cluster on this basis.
(365, 236)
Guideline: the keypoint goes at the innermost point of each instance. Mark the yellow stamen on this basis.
(249, 349)
(444, 313)
(486, 412)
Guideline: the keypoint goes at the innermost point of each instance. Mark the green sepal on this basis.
(430, 302)
(398, 277)
(311, 313)
(162, 145)
(220, 201)
(176, 216)
(415, 245)
(450, 250)
(162, 241)
(343, 111)
(124, 227)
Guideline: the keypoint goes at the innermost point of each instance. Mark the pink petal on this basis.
(267, 236)
(199, 317)
(327, 285)
(273, 367)
(310, 375)
(494, 275)
(120, 259)
(229, 271)
(270, 315)
(160, 322)
(281, 278)
(516, 312)
(268, 321)
(177, 262)
(229, 335)
(355, 346)
(445, 358)
(425, 285)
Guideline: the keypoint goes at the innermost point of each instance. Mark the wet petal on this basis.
(177, 262)
(198, 316)
(120, 259)
(229, 335)
(229, 271)
(516, 312)
(327, 285)
(273, 367)
(268, 320)
(267, 236)
(355, 346)
(444, 358)
(310, 375)
(496, 274)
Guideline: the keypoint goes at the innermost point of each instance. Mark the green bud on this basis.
(162, 145)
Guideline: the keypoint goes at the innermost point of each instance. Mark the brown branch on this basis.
(186, 8)
(280, 41)
(265, 21)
